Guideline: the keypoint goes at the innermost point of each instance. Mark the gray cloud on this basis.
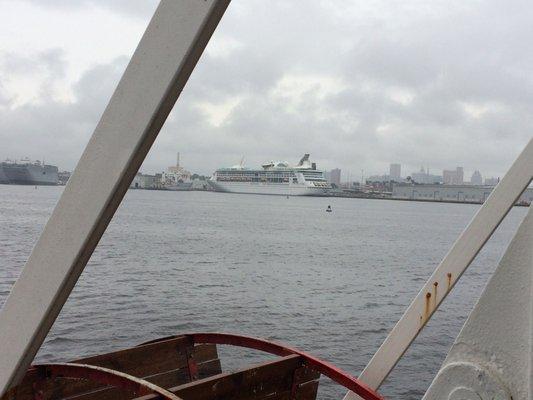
(357, 85)
(137, 8)
(53, 129)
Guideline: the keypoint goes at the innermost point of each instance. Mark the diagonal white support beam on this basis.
(462, 253)
(151, 84)
(491, 356)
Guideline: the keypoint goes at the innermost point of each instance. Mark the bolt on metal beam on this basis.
(161, 65)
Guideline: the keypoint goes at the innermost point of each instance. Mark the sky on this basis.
(357, 84)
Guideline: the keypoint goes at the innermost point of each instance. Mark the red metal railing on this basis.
(324, 367)
(141, 387)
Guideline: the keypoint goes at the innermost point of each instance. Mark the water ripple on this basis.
(332, 284)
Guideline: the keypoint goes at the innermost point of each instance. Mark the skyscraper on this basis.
(453, 177)
(459, 176)
(335, 177)
(448, 177)
(395, 172)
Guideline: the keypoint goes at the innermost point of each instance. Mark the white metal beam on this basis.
(491, 356)
(161, 65)
(462, 253)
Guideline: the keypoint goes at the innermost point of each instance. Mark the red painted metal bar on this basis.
(324, 367)
(105, 376)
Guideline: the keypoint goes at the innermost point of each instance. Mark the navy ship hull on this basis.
(28, 174)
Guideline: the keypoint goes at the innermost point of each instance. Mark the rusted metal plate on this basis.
(163, 363)
(306, 391)
(303, 386)
(104, 376)
(271, 380)
(152, 358)
(166, 380)
(180, 376)
(324, 367)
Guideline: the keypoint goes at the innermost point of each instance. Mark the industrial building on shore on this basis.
(451, 193)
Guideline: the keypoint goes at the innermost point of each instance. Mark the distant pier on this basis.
(462, 194)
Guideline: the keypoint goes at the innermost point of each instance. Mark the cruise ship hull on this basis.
(267, 188)
(28, 174)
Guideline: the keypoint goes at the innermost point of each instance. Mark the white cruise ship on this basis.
(273, 178)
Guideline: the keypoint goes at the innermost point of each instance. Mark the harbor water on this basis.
(331, 283)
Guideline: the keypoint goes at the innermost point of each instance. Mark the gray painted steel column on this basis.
(462, 253)
(151, 84)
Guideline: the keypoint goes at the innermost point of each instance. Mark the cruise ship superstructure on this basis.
(278, 178)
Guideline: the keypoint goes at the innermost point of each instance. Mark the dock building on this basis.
(455, 193)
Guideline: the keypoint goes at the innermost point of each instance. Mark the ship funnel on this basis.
(303, 160)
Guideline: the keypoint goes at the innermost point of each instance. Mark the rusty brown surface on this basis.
(164, 363)
(188, 371)
(273, 380)
(104, 376)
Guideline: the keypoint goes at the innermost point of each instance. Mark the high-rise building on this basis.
(395, 172)
(459, 175)
(448, 177)
(335, 177)
(476, 178)
(453, 177)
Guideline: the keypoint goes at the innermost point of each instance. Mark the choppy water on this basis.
(333, 283)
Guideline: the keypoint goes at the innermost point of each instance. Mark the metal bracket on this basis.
(192, 366)
(296, 377)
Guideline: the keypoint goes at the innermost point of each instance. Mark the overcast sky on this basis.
(358, 84)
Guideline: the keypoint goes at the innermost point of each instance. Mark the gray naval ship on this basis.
(26, 172)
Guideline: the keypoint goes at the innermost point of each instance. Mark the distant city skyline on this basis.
(337, 177)
(423, 175)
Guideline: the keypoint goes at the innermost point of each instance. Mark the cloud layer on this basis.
(357, 85)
